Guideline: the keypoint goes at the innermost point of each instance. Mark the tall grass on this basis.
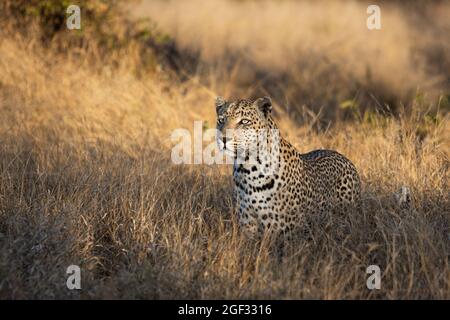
(86, 179)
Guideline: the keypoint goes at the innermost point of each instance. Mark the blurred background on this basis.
(317, 54)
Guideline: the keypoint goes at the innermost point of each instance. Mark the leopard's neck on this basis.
(265, 167)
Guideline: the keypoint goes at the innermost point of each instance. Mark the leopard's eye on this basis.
(244, 121)
(220, 120)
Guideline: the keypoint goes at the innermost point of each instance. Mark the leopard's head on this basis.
(240, 122)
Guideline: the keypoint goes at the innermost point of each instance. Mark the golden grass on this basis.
(86, 178)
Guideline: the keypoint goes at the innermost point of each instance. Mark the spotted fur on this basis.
(302, 184)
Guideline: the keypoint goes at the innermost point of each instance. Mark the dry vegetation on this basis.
(86, 176)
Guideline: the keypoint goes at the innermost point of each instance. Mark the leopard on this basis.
(276, 186)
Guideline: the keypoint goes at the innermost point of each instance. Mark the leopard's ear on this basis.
(264, 104)
(220, 102)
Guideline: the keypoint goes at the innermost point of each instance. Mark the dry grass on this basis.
(86, 178)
